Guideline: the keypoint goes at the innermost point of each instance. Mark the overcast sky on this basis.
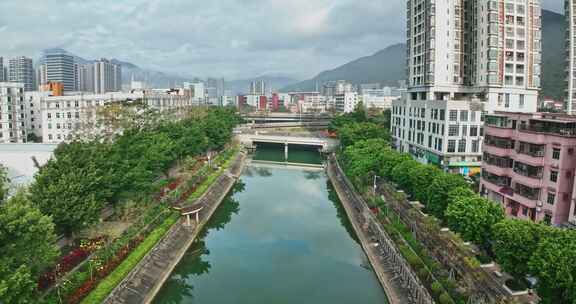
(220, 38)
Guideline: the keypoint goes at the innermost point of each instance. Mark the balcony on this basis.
(551, 127)
(496, 180)
(529, 193)
(528, 170)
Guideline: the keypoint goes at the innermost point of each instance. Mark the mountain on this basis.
(553, 54)
(387, 66)
(242, 86)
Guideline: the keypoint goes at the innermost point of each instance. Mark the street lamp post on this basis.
(375, 186)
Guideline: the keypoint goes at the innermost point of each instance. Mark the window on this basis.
(49, 115)
(451, 146)
(551, 198)
(462, 146)
(507, 101)
(556, 154)
(453, 130)
(521, 101)
(475, 146)
(442, 114)
(464, 130)
(548, 219)
(473, 131)
(49, 136)
(464, 115)
(554, 176)
(453, 115)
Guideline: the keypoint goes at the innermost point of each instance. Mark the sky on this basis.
(219, 38)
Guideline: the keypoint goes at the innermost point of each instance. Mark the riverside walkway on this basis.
(395, 275)
(146, 279)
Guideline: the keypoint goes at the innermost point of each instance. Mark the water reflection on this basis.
(341, 212)
(285, 245)
(179, 286)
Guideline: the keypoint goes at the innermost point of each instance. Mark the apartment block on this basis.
(67, 117)
(2, 73)
(21, 70)
(529, 165)
(12, 113)
(570, 14)
(346, 102)
(465, 57)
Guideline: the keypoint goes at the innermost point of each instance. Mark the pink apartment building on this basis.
(529, 163)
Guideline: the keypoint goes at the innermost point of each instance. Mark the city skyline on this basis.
(198, 40)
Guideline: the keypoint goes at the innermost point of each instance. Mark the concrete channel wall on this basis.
(147, 278)
(395, 275)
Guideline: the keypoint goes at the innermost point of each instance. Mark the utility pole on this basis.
(375, 186)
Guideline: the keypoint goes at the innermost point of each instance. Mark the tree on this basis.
(420, 177)
(437, 198)
(553, 264)
(352, 133)
(401, 174)
(74, 186)
(473, 217)
(514, 243)
(4, 183)
(26, 249)
(364, 158)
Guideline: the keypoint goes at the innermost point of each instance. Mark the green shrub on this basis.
(436, 288)
(445, 298)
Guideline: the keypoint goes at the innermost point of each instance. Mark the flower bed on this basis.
(103, 289)
(105, 260)
(70, 261)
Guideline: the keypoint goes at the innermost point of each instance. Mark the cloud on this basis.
(229, 38)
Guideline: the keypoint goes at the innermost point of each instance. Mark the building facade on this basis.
(2, 72)
(346, 102)
(465, 57)
(59, 67)
(570, 14)
(529, 165)
(12, 113)
(107, 76)
(258, 87)
(21, 70)
(67, 117)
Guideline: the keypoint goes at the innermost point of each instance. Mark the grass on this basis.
(111, 281)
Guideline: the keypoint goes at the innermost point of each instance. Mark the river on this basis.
(280, 237)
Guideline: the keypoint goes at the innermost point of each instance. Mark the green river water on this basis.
(280, 237)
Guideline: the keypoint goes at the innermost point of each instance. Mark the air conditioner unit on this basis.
(538, 209)
(539, 204)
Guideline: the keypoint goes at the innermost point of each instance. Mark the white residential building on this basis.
(570, 13)
(346, 102)
(107, 76)
(65, 117)
(464, 58)
(378, 98)
(21, 70)
(12, 113)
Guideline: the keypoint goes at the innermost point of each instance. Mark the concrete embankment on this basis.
(398, 280)
(147, 278)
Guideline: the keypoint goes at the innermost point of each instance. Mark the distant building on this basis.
(12, 113)
(346, 102)
(59, 67)
(378, 98)
(107, 77)
(529, 165)
(258, 87)
(21, 70)
(2, 72)
(333, 88)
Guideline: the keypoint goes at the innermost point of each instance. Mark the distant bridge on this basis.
(324, 145)
(294, 124)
